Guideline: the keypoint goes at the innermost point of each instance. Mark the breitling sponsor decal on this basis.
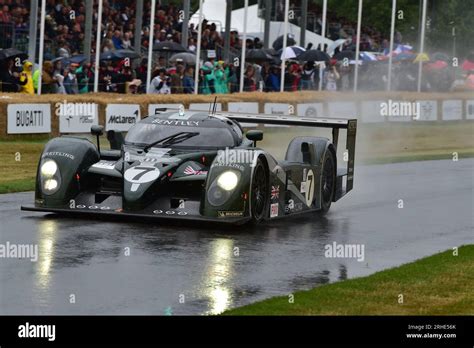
(231, 165)
(56, 153)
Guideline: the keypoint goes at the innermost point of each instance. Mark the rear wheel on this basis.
(328, 180)
(259, 194)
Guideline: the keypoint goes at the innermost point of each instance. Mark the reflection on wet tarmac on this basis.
(218, 274)
(47, 230)
(218, 268)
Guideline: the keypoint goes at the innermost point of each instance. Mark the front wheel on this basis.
(328, 180)
(259, 194)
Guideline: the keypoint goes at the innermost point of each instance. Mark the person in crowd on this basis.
(307, 76)
(177, 79)
(126, 41)
(64, 50)
(160, 83)
(207, 79)
(294, 70)
(84, 77)
(188, 80)
(133, 86)
(107, 45)
(49, 83)
(108, 78)
(191, 45)
(273, 80)
(221, 76)
(117, 39)
(470, 80)
(250, 84)
(70, 79)
(9, 77)
(58, 67)
(26, 78)
(331, 76)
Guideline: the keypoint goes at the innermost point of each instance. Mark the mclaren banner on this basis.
(120, 117)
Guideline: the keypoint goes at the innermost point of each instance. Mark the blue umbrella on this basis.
(78, 59)
(119, 54)
(404, 56)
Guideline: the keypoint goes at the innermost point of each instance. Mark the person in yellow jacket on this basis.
(26, 78)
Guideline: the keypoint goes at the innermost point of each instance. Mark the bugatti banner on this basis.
(29, 118)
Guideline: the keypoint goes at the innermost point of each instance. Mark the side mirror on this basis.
(97, 131)
(254, 135)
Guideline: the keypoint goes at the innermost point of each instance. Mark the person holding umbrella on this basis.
(9, 77)
(307, 76)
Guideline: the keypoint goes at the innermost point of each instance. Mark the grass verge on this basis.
(442, 284)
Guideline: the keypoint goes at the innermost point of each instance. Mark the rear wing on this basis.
(335, 123)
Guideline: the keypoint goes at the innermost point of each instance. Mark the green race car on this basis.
(190, 165)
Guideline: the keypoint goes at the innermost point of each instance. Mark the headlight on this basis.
(50, 185)
(227, 180)
(49, 168)
(222, 187)
(50, 177)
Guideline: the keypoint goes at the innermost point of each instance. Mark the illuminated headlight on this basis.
(222, 188)
(50, 185)
(49, 168)
(227, 180)
(50, 177)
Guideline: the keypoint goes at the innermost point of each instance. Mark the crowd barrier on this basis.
(66, 114)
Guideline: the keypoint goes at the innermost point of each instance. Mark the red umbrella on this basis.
(468, 65)
(438, 65)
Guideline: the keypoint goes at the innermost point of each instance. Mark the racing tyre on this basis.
(259, 195)
(328, 181)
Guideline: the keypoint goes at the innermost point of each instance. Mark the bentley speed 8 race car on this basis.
(193, 165)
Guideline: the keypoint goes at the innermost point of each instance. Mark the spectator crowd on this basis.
(67, 70)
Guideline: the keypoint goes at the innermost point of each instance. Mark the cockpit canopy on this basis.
(214, 132)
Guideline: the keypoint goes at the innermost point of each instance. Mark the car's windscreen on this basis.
(146, 133)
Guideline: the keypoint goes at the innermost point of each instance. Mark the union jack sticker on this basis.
(191, 171)
(275, 194)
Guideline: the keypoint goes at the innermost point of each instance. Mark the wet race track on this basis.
(216, 268)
